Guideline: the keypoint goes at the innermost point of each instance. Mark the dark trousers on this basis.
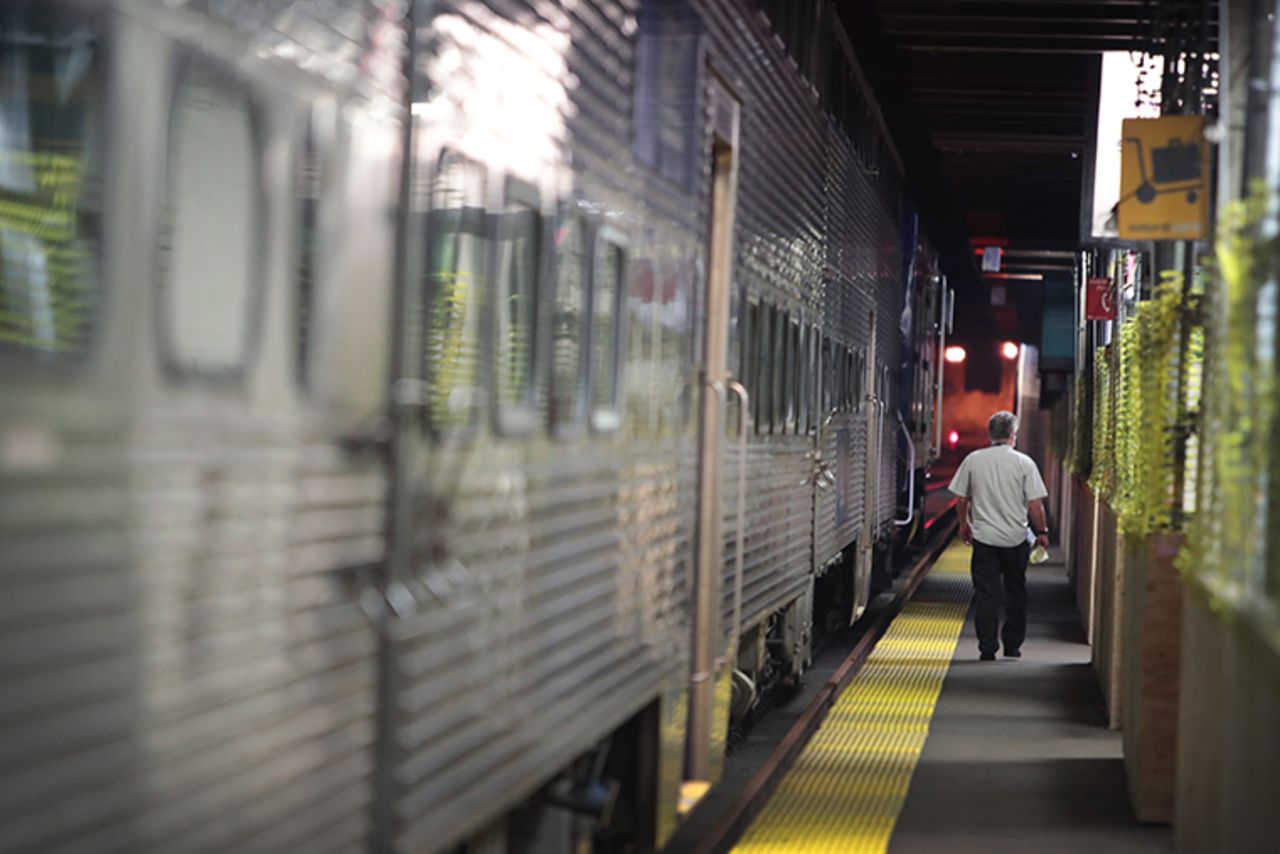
(992, 568)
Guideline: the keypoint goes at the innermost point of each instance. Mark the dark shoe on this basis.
(987, 656)
(1013, 653)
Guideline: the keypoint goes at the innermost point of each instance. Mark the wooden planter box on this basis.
(1108, 605)
(1151, 651)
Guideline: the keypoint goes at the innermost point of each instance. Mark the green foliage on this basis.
(1147, 413)
(1226, 543)
(1080, 458)
(1102, 475)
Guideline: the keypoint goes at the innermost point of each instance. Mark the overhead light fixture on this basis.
(954, 355)
(1009, 350)
(1026, 277)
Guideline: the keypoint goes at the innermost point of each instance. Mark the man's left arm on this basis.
(1035, 493)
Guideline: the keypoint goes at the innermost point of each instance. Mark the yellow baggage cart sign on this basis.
(1164, 179)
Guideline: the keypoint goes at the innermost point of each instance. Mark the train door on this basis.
(712, 652)
(871, 411)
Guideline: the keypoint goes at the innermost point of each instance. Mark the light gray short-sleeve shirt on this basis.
(999, 483)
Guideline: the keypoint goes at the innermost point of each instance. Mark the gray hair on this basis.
(1002, 426)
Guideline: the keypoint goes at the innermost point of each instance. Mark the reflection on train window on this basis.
(310, 185)
(665, 100)
(639, 337)
(518, 239)
(214, 227)
(50, 179)
(569, 327)
(673, 345)
(609, 273)
(452, 281)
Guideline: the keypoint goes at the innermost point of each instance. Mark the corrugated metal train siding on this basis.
(257, 720)
(571, 558)
(183, 669)
(186, 670)
(71, 630)
(777, 552)
(780, 254)
(571, 606)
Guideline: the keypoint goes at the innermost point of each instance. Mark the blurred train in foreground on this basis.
(427, 424)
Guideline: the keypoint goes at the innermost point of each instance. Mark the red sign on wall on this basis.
(1100, 299)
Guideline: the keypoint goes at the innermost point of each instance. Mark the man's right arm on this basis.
(959, 487)
(962, 515)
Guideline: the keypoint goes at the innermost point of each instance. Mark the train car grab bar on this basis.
(744, 399)
(911, 475)
(708, 663)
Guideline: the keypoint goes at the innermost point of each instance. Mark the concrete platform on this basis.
(1019, 758)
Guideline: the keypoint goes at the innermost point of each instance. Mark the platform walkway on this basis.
(931, 750)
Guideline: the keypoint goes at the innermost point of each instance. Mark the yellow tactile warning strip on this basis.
(847, 787)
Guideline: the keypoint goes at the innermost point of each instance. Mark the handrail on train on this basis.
(744, 399)
(911, 475)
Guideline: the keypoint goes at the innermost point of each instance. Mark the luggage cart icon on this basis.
(1172, 167)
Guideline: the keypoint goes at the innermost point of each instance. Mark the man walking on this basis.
(997, 489)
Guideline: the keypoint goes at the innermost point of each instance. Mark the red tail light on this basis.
(954, 438)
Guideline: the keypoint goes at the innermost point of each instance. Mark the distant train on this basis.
(428, 424)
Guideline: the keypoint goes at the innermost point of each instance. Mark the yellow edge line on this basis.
(847, 787)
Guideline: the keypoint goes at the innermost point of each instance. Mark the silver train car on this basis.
(423, 424)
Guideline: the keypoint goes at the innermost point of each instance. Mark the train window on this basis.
(760, 360)
(815, 381)
(518, 254)
(453, 277)
(609, 271)
(665, 111)
(838, 395)
(761, 372)
(215, 224)
(769, 353)
(852, 399)
(805, 377)
(780, 373)
(50, 178)
(795, 24)
(857, 375)
(853, 380)
(778, 412)
(835, 372)
(828, 395)
(793, 372)
(747, 347)
(569, 328)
